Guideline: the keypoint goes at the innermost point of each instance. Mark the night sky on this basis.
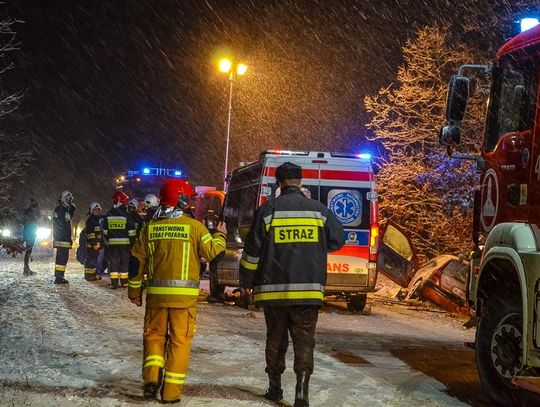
(112, 85)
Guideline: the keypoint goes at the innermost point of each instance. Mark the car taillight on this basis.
(373, 241)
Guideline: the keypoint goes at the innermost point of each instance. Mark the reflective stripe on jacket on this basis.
(62, 225)
(285, 252)
(171, 249)
(118, 227)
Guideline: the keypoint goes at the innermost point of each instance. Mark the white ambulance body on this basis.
(345, 183)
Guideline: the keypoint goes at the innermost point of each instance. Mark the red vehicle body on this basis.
(504, 282)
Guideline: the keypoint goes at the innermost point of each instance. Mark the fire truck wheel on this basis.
(499, 350)
(217, 290)
(356, 303)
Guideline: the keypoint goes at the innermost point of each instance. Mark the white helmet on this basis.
(151, 200)
(133, 203)
(94, 205)
(65, 195)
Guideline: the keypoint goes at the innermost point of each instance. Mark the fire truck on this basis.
(504, 277)
(205, 201)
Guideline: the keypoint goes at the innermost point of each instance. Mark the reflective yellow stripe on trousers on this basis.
(175, 378)
(154, 360)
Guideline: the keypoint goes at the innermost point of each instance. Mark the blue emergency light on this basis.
(528, 23)
(364, 156)
(146, 171)
(178, 173)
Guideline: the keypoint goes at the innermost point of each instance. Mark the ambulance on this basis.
(345, 183)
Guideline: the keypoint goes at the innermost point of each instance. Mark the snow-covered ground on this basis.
(81, 345)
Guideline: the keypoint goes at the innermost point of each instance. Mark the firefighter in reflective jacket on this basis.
(284, 263)
(172, 245)
(119, 232)
(63, 214)
(94, 241)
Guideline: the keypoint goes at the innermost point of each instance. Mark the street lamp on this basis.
(232, 70)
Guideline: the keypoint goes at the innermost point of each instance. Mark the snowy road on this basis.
(81, 345)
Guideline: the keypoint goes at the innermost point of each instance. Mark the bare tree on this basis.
(421, 188)
(13, 157)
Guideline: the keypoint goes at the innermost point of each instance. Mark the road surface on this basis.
(81, 345)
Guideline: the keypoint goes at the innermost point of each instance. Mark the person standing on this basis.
(151, 204)
(63, 213)
(29, 234)
(94, 241)
(171, 244)
(119, 232)
(284, 265)
(138, 220)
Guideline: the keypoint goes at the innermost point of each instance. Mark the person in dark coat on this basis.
(62, 229)
(93, 241)
(29, 234)
(284, 263)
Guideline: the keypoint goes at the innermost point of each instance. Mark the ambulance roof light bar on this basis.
(362, 156)
(285, 152)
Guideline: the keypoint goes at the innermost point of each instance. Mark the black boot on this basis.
(274, 392)
(60, 280)
(150, 391)
(301, 395)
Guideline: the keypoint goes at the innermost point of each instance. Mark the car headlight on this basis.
(43, 233)
(5, 232)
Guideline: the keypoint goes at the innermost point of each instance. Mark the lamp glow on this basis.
(225, 65)
(146, 170)
(241, 69)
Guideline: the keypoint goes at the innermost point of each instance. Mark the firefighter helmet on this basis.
(133, 203)
(151, 201)
(120, 198)
(94, 205)
(66, 197)
(176, 193)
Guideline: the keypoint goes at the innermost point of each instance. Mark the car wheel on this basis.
(217, 290)
(357, 303)
(499, 350)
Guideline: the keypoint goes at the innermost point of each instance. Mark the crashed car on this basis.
(442, 280)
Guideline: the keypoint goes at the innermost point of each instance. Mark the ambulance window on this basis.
(512, 103)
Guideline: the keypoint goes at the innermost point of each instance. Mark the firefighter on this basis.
(63, 213)
(171, 244)
(151, 204)
(138, 220)
(119, 232)
(29, 234)
(284, 265)
(94, 241)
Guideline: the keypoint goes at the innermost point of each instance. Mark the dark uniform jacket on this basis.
(62, 225)
(285, 252)
(94, 235)
(118, 228)
(138, 221)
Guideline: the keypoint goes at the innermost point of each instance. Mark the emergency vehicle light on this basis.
(285, 152)
(528, 23)
(146, 170)
(362, 156)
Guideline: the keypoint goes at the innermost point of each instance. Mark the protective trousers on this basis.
(300, 321)
(167, 343)
(90, 264)
(62, 255)
(29, 245)
(118, 260)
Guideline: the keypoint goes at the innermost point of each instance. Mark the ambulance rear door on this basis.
(347, 187)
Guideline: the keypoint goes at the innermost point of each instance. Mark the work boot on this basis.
(274, 392)
(150, 391)
(60, 280)
(301, 394)
(28, 272)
